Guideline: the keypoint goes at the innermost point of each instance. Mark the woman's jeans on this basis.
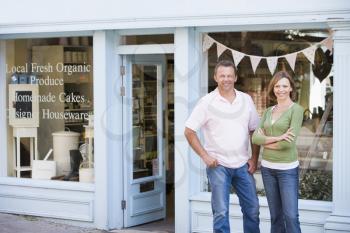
(281, 187)
(221, 179)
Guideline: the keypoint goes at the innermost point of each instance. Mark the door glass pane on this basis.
(144, 89)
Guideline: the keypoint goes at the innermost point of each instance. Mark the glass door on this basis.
(144, 189)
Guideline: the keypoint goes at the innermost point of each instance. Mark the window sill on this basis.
(323, 206)
(49, 184)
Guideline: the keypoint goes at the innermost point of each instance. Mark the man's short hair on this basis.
(225, 63)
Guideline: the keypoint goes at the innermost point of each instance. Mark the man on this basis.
(227, 118)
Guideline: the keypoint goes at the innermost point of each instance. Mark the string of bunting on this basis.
(271, 60)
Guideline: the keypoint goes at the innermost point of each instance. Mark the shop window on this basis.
(50, 105)
(147, 39)
(314, 85)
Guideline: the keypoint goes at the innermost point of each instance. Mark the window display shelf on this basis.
(78, 109)
(78, 79)
(75, 55)
(72, 124)
(150, 134)
(23, 168)
(150, 116)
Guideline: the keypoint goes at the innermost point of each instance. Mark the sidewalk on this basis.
(27, 224)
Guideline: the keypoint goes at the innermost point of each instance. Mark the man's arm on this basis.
(253, 161)
(196, 145)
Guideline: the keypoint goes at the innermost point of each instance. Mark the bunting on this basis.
(310, 53)
(220, 48)
(237, 56)
(207, 42)
(272, 64)
(291, 58)
(271, 61)
(255, 60)
(328, 42)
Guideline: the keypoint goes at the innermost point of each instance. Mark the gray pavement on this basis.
(10, 223)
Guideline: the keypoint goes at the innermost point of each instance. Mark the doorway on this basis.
(148, 141)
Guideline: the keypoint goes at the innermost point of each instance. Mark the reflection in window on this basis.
(314, 85)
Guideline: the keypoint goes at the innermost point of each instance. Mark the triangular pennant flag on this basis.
(220, 48)
(310, 53)
(272, 63)
(328, 43)
(237, 56)
(324, 49)
(255, 62)
(207, 42)
(291, 58)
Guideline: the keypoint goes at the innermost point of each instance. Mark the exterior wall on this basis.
(3, 118)
(53, 199)
(83, 11)
(313, 214)
(101, 67)
(187, 78)
(340, 217)
(113, 129)
(81, 15)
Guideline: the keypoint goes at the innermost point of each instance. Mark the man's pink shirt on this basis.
(225, 126)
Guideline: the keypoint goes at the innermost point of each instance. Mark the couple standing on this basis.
(228, 118)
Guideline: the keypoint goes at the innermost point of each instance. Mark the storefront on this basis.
(110, 97)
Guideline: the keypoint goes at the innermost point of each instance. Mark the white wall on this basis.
(313, 214)
(107, 14)
(47, 198)
(80, 10)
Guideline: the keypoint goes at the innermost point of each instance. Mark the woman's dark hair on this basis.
(225, 63)
(277, 77)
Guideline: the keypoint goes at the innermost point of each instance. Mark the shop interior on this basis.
(50, 106)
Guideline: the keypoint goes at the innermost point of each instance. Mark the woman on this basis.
(279, 127)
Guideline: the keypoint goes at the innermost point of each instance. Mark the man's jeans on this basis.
(221, 179)
(281, 187)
